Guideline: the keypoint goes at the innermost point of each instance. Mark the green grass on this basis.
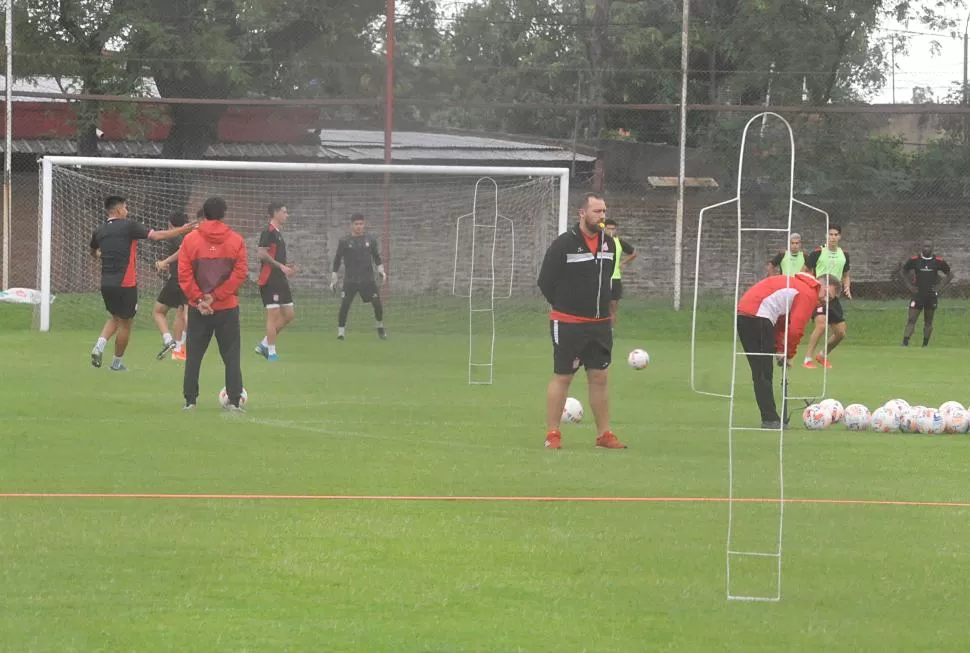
(365, 417)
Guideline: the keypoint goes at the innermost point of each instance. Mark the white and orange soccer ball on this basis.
(224, 398)
(856, 417)
(948, 406)
(572, 412)
(909, 418)
(930, 421)
(638, 359)
(834, 406)
(956, 421)
(816, 417)
(897, 406)
(884, 420)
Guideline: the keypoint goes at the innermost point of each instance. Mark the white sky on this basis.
(923, 68)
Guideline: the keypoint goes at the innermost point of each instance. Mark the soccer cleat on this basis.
(382, 333)
(272, 357)
(823, 361)
(119, 368)
(340, 336)
(609, 441)
(261, 350)
(178, 355)
(169, 346)
(96, 358)
(809, 365)
(774, 426)
(189, 406)
(232, 408)
(553, 440)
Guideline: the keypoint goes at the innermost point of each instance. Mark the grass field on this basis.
(365, 418)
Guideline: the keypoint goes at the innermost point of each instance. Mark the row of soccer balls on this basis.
(572, 412)
(894, 415)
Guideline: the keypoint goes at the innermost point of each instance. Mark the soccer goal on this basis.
(413, 210)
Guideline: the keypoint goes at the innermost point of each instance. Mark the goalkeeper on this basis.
(359, 253)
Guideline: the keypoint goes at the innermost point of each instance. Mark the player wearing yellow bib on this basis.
(625, 254)
(791, 262)
(832, 260)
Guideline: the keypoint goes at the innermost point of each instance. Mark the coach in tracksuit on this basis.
(212, 267)
(575, 279)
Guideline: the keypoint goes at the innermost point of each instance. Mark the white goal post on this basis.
(50, 214)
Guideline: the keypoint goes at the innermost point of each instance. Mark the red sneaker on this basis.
(609, 441)
(553, 440)
(823, 361)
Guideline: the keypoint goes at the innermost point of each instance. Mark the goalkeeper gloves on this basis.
(383, 275)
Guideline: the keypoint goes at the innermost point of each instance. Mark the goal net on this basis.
(413, 211)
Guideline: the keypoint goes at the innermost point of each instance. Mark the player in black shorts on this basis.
(575, 279)
(274, 285)
(115, 244)
(171, 295)
(359, 252)
(921, 274)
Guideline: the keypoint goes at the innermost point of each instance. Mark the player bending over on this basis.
(115, 244)
(789, 262)
(171, 295)
(627, 255)
(575, 279)
(274, 286)
(921, 274)
(832, 260)
(761, 329)
(212, 267)
(359, 252)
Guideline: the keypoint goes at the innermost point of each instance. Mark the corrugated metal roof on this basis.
(458, 148)
(43, 84)
(423, 140)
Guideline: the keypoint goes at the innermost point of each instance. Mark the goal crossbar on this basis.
(48, 164)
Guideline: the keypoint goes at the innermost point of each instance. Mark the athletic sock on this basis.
(272, 349)
(808, 359)
(167, 338)
(264, 342)
(341, 331)
(100, 345)
(380, 324)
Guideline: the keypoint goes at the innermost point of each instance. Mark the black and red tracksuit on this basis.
(212, 261)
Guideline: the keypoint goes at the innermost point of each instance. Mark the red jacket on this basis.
(212, 260)
(771, 298)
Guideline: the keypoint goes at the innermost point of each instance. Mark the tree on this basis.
(67, 39)
(233, 48)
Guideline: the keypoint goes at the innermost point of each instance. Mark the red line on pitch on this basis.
(524, 499)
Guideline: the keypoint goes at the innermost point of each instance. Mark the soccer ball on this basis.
(884, 420)
(572, 412)
(897, 406)
(856, 417)
(834, 406)
(930, 421)
(956, 421)
(947, 406)
(638, 359)
(816, 417)
(224, 398)
(909, 418)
